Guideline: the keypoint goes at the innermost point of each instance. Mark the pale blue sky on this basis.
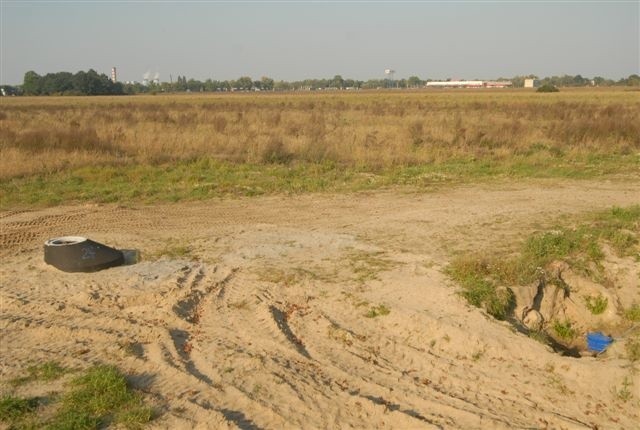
(293, 40)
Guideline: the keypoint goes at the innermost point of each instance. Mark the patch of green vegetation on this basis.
(479, 290)
(596, 305)
(13, 409)
(564, 329)
(48, 371)
(376, 311)
(206, 178)
(547, 88)
(580, 247)
(99, 397)
(633, 313)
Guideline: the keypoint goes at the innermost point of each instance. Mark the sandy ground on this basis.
(260, 319)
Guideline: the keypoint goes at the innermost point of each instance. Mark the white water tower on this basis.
(389, 74)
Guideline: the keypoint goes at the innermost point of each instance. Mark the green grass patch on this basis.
(207, 178)
(13, 409)
(98, 398)
(473, 275)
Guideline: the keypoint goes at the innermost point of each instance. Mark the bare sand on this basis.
(259, 319)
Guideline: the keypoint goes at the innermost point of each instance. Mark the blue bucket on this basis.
(598, 342)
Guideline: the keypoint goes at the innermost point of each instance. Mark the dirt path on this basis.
(265, 314)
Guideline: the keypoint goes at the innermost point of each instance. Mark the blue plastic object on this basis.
(598, 342)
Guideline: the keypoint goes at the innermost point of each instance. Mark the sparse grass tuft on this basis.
(624, 393)
(596, 305)
(564, 330)
(376, 311)
(633, 313)
(479, 290)
(43, 372)
(632, 347)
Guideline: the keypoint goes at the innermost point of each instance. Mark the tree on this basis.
(414, 82)
(266, 83)
(337, 82)
(32, 84)
(244, 83)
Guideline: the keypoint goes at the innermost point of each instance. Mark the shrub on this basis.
(547, 88)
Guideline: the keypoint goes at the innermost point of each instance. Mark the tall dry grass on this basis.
(377, 130)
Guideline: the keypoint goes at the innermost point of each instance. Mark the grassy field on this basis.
(175, 147)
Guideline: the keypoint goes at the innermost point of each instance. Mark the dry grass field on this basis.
(391, 260)
(174, 147)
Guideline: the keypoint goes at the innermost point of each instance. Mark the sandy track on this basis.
(262, 324)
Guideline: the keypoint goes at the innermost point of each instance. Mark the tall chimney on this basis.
(114, 78)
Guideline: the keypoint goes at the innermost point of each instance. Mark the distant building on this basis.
(469, 84)
(531, 83)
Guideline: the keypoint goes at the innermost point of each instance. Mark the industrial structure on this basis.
(469, 84)
(531, 83)
(114, 77)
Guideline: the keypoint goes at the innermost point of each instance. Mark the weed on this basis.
(633, 313)
(367, 265)
(564, 330)
(478, 355)
(624, 393)
(596, 305)
(632, 347)
(43, 372)
(377, 311)
(480, 291)
(175, 250)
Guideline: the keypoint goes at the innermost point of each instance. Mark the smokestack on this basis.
(114, 77)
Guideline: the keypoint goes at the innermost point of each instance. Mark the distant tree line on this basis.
(64, 83)
(92, 83)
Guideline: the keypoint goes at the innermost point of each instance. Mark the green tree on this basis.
(414, 82)
(337, 82)
(266, 83)
(244, 83)
(32, 83)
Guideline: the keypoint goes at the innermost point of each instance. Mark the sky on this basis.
(295, 40)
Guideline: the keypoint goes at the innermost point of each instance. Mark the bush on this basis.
(548, 88)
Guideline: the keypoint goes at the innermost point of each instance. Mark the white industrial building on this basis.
(531, 83)
(469, 84)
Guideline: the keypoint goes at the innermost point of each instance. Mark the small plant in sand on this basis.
(596, 305)
(633, 348)
(633, 313)
(376, 311)
(564, 330)
(624, 393)
(47, 371)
